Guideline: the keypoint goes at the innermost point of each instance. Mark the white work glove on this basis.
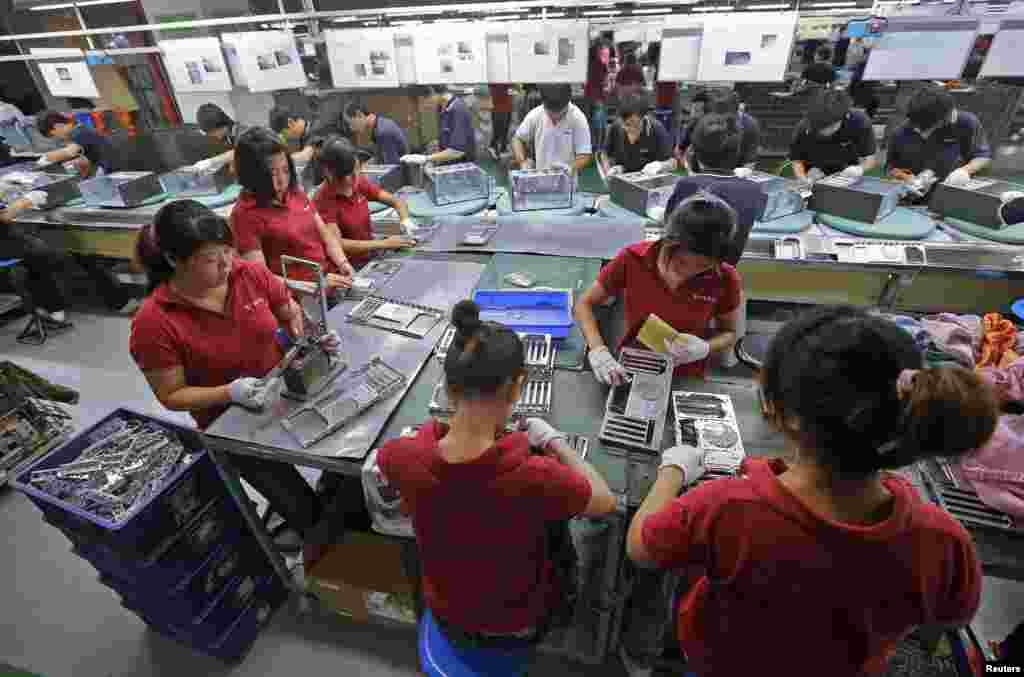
(331, 343)
(37, 198)
(652, 168)
(687, 348)
(958, 177)
(688, 459)
(528, 165)
(853, 172)
(743, 172)
(207, 166)
(43, 161)
(656, 213)
(408, 226)
(1011, 195)
(414, 159)
(606, 368)
(540, 433)
(250, 393)
(616, 170)
(561, 166)
(815, 175)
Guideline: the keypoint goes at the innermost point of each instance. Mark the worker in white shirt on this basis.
(556, 133)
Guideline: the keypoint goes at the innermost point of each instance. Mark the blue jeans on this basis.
(440, 658)
(598, 125)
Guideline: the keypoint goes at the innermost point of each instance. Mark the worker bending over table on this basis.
(343, 203)
(720, 103)
(205, 338)
(389, 141)
(480, 501)
(833, 138)
(43, 262)
(305, 132)
(217, 124)
(637, 141)
(273, 216)
(937, 136)
(92, 151)
(556, 133)
(822, 559)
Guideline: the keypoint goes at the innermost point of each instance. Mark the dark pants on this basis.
(44, 263)
(287, 492)
(500, 123)
(649, 613)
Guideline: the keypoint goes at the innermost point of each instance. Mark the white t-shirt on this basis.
(555, 144)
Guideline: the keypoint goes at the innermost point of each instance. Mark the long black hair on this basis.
(179, 229)
(702, 224)
(338, 157)
(484, 356)
(253, 155)
(834, 371)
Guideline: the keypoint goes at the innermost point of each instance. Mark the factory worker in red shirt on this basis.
(480, 499)
(343, 201)
(682, 279)
(823, 563)
(204, 337)
(274, 217)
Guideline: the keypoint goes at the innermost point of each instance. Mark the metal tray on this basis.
(123, 189)
(635, 411)
(400, 317)
(708, 421)
(535, 399)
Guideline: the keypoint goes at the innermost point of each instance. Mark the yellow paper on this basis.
(656, 332)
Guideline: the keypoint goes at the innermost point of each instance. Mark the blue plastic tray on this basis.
(536, 312)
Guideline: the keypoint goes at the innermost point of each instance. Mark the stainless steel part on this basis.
(708, 421)
(540, 351)
(400, 317)
(460, 182)
(534, 400)
(866, 199)
(441, 349)
(121, 189)
(961, 501)
(635, 411)
(541, 189)
(638, 192)
(319, 293)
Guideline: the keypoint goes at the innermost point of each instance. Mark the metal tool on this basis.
(444, 343)
(635, 410)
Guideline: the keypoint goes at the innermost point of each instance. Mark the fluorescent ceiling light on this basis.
(552, 15)
(603, 12)
(713, 8)
(84, 3)
(666, 10)
(784, 5)
(832, 5)
(450, 21)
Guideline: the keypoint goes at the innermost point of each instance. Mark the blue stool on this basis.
(35, 332)
(439, 658)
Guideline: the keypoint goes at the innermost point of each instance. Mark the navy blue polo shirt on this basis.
(854, 140)
(750, 137)
(95, 147)
(456, 128)
(947, 148)
(653, 145)
(743, 195)
(390, 141)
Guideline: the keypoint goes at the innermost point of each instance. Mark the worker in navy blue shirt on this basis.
(939, 137)
(305, 130)
(637, 141)
(389, 141)
(716, 147)
(833, 138)
(81, 142)
(45, 264)
(456, 139)
(721, 103)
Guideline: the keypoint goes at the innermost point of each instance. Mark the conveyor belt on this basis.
(902, 224)
(1010, 235)
(787, 225)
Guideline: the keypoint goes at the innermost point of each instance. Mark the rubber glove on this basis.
(562, 167)
(207, 166)
(606, 368)
(250, 393)
(540, 433)
(1008, 196)
(815, 175)
(853, 172)
(688, 459)
(616, 170)
(958, 177)
(331, 342)
(408, 225)
(687, 348)
(37, 198)
(652, 168)
(656, 213)
(743, 172)
(414, 159)
(43, 161)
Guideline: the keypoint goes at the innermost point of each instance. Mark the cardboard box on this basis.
(363, 579)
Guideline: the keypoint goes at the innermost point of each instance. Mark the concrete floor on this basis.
(59, 620)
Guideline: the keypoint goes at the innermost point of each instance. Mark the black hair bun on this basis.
(466, 317)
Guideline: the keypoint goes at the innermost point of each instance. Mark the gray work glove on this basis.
(688, 459)
(606, 368)
(250, 393)
(541, 433)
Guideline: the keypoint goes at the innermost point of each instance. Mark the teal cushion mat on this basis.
(376, 207)
(902, 224)
(229, 195)
(155, 200)
(1010, 235)
(787, 225)
(421, 205)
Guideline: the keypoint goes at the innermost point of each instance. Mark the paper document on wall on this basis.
(450, 54)
(680, 49)
(1003, 60)
(549, 51)
(196, 65)
(67, 78)
(499, 66)
(405, 59)
(748, 47)
(264, 61)
(362, 58)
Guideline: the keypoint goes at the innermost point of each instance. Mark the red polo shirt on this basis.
(480, 526)
(350, 213)
(288, 228)
(214, 349)
(633, 275)
(781, 585)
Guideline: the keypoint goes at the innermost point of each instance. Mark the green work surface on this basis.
(1010, 235)
(229, 195)
(155, 200)
(902, 224)
(375, 207)
(787, 225)
(589, 180)
(548, 271)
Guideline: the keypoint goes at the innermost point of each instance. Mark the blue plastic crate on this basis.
(179, 556)
(150, 523)
(535, 312)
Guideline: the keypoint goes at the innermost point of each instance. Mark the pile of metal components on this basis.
(395, 315)
(958, 497)
(29, 427)
(126, 462)
(462, 182)
(708, 422)
(639, 192)
(541, 189)
(635, 412)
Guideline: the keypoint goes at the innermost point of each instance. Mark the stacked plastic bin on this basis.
(183, 560)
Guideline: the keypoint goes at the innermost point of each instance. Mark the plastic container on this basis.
(151, 522)
(530, 311)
